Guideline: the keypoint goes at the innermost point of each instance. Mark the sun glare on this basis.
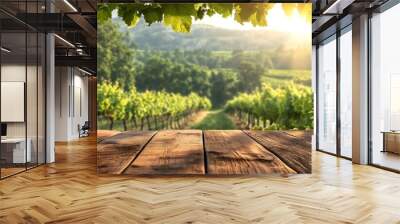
(277, 21)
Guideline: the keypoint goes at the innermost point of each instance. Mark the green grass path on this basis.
(215, 120)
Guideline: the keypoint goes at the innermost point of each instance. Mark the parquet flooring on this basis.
(70, 191)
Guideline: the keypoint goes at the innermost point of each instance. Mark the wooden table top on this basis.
(196, 152)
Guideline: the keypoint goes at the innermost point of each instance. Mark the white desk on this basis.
(18, 150)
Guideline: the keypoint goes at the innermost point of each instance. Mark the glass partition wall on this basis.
(22, 77)
(385, 89)
(334, 93)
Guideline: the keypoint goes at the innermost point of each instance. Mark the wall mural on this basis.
(204, 88)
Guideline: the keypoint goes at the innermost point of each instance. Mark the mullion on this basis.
(37, 90)
(26, 86)
(338, 98)
(316, 97)
(0, 96)
(369, 91)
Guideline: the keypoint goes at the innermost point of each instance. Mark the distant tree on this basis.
(115, 58)
(223, 86)
(172, 73)
(249, 76)
(155, 74)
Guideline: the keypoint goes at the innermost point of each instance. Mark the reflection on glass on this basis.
(346, 94)
(327, 96)
(22, 89)
(386, 89)
(15, 151)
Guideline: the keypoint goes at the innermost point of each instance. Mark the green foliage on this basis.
(155, 86)
(289, 107)
(216, 75)
(224, 85)
(111, 102)
(281, 77)
(115, 58)
(254, 13)
(249, 75)
(133, 106)
(179, 16)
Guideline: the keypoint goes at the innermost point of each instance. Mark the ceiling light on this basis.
(65, 41)
(5, 50)
(70, 5)
(84, 71)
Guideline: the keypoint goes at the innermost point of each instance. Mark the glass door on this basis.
(346, 92)
(326, 108)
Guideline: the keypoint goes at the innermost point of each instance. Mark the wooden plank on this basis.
(114, 154)
(235, 153)
(103, 134)
(177, 152)
(294, 151)
(301, 135)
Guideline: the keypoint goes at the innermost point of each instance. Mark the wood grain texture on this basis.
(70, 191)
(235, 153)
(294, 151)
(304, 135)
(178, 152)
(116, 153)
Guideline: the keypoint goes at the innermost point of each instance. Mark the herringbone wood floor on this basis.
(70, 191)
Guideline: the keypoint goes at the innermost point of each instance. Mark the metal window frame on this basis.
(339, 32)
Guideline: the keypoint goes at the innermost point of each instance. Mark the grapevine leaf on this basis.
(129, 13)
(178, 23)
(105, 11)
(152, 14)
(224, 9)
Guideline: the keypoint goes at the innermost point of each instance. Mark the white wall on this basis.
(16, 73)
(12, 73)
(71, 102)
(33, 127)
